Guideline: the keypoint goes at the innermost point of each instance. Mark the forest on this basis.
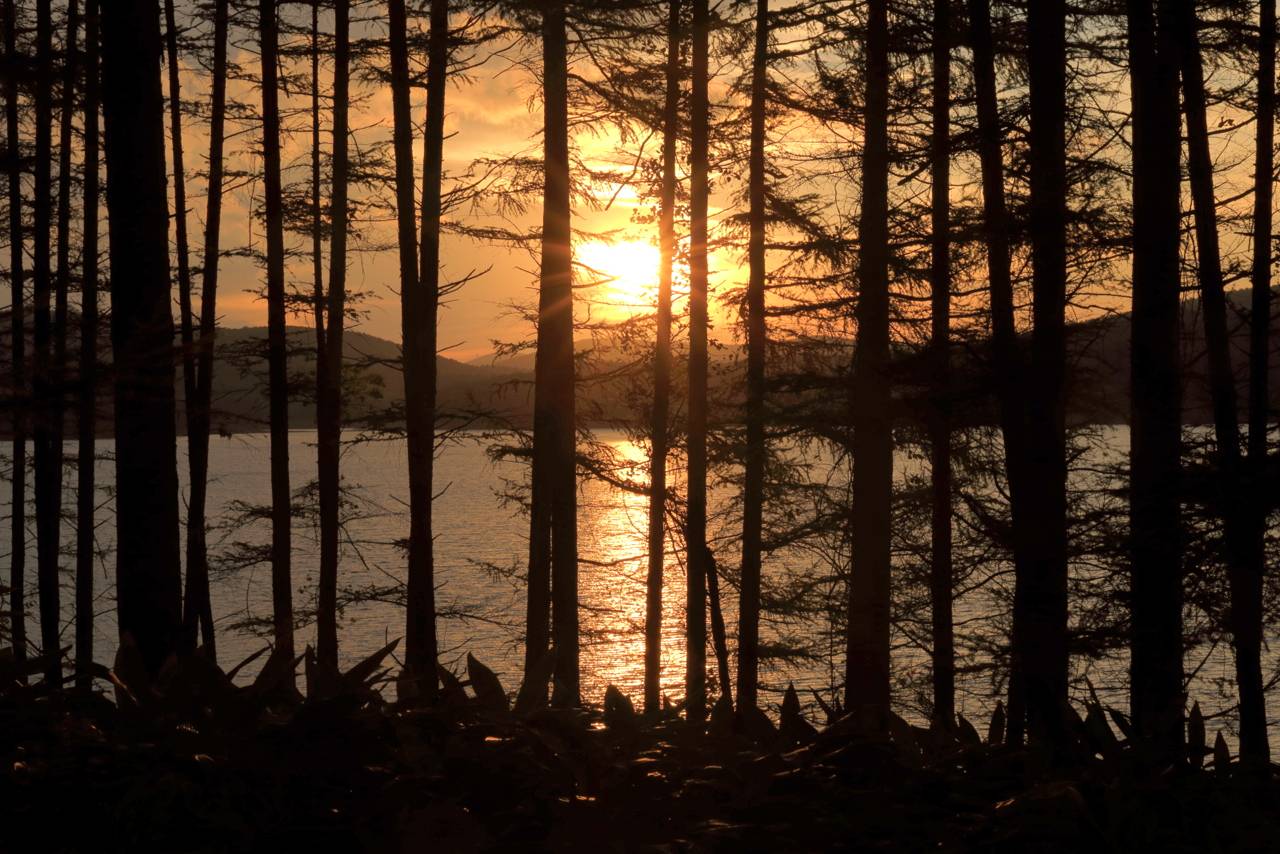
(639, 424)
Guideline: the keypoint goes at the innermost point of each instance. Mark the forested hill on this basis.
(500, 389)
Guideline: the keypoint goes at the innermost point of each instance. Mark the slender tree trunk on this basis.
(317, 227)
(659, 427)
(556, 312)
(1245, 582)
(180, 217)
(281, 580)
(753, 480)
(17, 312)
(197, 608)
(1260, 315)
(1155, 432)
(86, 420)
(184, 262)
(47, 451)
(940, 570)
(329, 406)
(719, 639)
(696, 546)
(1044, 632)
(62, 283)
(867, 661)
(148, 565)
(1263, 179)
(420, 307)
(1006, 357)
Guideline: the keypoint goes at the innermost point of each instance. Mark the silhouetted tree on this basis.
(697, 552)
(659, 426)
(753, 481)
(419, 296)
(329, 372)
(1042, 637)
(47, 456)
(61, 289)
(281, 577)
(867, 646)
(197, 607)
(941, 592)
(1245, 581)
(1155, 433)
(554, 515)
(18, 351)
(86, 418)
(148, 564)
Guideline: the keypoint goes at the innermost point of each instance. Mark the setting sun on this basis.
(627, 272)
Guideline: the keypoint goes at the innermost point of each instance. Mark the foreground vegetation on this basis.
(197, 763)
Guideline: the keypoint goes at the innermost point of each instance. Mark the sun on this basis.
(627, 272)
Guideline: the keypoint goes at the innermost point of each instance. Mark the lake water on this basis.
(482, 610)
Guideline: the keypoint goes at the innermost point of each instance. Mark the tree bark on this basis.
(148, 566)
(317, 229)
(47, 448)
(1260, 314)
(86, 420)
(62, 282)
(197, 608)
(1155, 431)
(659, 428)
(753, 475)
(696, 547)
(21, 393)
(867, 650)
(1006, 356)
(329, 405)
(556, 313)
(281, 580)
(420, 309)
(184, 263)
(1044, 630)
(940, 568)
(1245, 582)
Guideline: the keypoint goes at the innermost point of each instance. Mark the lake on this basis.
(482, 609)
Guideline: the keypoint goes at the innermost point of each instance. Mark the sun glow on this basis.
(626, 273)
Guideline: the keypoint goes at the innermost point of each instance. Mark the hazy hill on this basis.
(1098, 376)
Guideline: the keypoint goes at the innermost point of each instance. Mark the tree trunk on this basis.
(197, 608)
(47, 448)
(753, 475)
(17, 289)
(184, 263)
(1043, 633)
(329, 405)
(940, 569)
(867, 651)
(658, 430)
(1155, 431)
(696, 548)
(1260, 315)
(62, 283)
(719, 640)
(317, 222)
(86, 420)
(281, 581)
(1245, 582)
(556, 312)
(420, 270)
(1006, 357)
(148, 565)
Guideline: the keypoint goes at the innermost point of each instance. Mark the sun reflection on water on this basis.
(613, 531)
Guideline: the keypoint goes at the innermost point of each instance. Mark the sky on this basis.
(493, 113)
